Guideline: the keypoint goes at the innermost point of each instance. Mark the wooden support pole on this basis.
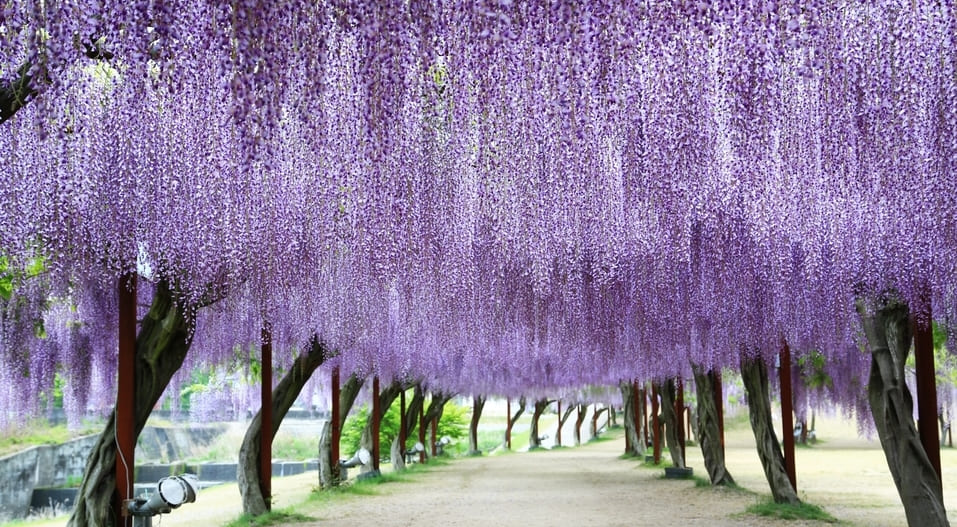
(926, 385)
(656, 427)
(403, 425)
(422, 431)
(125, 425)
(679, 415)
(376, 420)
(787, 414)
(508, 423)
(719, 405)
(558, 434)
(265, 436)
(336, 431)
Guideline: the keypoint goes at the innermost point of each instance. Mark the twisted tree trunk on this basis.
(534, 441)
(161, 345)
(283, 396)
(561, 423)
(329, 474)
(579, 419)
(433, 414)
(669, 419)
(411, 421)
(886, 324)
(709, 427)
(754, 373)
(512, 420)
(478, 403)
(632, 429)
(594, 420)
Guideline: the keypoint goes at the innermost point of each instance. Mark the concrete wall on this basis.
(54, 465)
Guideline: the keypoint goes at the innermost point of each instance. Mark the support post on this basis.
(787, 414)
(422, 432)
(376, 419)
(636, 410)
(926, 385)
(558, 434)
(403, 426)
(508, 423)
(265, 437)
(336, 431)
(719, 406)
(125, 425)
(679, 415)
(656, 427)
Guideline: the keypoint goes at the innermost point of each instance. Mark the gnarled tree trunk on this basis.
(512, 419)
(386, 398)
(632, 429)
(579, 419)
(534, 440)
(161, 345)
(594, 420)
(283, 396)
(329, 474)
(478, 403)
(754, 373)
(411, 422)
(669, 419)
(562, 419)
(433, 414)
(886, 325)
(709, 427)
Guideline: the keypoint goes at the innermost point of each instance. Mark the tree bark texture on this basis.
(709, 427)
(534, 440)
(411, 422)
(579, 419)
(478, 403)
(594, 420)
(283, 396)
(632, 429)
(433, 414)
(329, 474)
(754, 373)
(669, 420)
(161, 345)
(386, 397)
(562, 419)
(512, 419)
(886, 324)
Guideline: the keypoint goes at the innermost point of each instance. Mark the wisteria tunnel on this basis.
(619, 214)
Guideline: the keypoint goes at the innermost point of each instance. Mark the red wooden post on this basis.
(125, 424)
(679, 414)
(508, 423)
(403, 426)
(422, 431)
(719, 405)
(336, 432)
(558, 434)
(435, 427)
(926, 385)
(787, 414)
(656, 428)
(376, 418)
(265, 436)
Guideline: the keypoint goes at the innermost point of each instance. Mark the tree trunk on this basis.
(534, 440)
(386, 397)
(887, 328)
(513, 419)
(561, 422)
(161, 345)
(594, 420)
(579, 419)
(709, 427)
(433, 414)
(754, 373)
(612, 417)
(329, 475)
(283, 397)
(411, 422)
(478, 403)
(669, 419)
(632, 429)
